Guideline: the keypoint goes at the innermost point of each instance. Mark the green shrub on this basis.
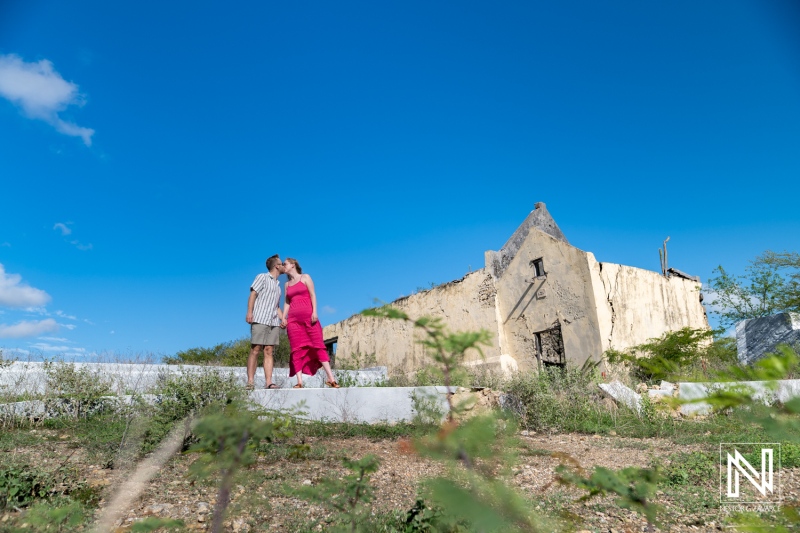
(75, 391)
(685, 354)
(180, 395)
(231, 353)
(558, 399)
(695, 468)
(21, 485)
(59, 515)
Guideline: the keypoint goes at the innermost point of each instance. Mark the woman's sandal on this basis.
(298, 386)
(332, 384)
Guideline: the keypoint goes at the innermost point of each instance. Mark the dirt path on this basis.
(260, 502)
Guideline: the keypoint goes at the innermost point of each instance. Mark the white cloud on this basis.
(6, 244)
(14, 293)
(62, 314)
(42, 93)
(53, 339)
(65, 230)
(28, 328)
(328, 309)
(81, 246)
(46, 347)
(68, 326)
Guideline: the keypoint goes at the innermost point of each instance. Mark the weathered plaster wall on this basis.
(465, 304)
(634, 305)
(596, 305)
(564, 296)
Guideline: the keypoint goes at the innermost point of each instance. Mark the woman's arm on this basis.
(313, 294)
(285, 316)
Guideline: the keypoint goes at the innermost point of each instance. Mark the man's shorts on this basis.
(264, 335)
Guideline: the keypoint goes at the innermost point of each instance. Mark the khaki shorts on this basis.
(264, 335)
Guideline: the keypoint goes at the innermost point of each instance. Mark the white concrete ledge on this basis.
(766, 391)
(371, 405)
(31, 378)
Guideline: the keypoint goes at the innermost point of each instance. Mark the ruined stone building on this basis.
(544, 301)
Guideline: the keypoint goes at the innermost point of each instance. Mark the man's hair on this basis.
(272, 260)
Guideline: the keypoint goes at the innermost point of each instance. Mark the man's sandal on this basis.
(249, 386)
(332, 384)
(272, 386)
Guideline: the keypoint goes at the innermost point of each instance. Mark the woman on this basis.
(302, 326)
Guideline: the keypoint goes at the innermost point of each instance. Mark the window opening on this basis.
(550, 348)
(538, 267)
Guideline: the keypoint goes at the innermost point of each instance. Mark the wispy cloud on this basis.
(53, 339)
(28, 328)
(62, 314)
(47, 347)
(41, 93)
(5, 244)
(328, 309)
(81, 246)
(15, 293)
(65, 230)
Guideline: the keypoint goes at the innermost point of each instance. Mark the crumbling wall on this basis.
(467, 304)
(635, 305)
(563, 298)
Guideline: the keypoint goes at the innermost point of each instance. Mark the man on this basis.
(264, 316)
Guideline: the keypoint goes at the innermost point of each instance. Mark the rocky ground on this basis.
(261, 501)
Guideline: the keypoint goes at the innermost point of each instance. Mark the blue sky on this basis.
(154, 154)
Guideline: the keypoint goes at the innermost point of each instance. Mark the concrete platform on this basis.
(31, 377)
(370, 405)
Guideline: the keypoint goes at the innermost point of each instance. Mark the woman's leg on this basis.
(327, 366)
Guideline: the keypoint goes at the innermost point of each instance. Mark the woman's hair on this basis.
(296, 264)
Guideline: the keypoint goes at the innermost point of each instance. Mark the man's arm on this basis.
(251, 302)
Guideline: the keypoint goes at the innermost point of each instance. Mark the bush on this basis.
(180, 395)
(678, 355)
(558, 399)
(695, 468)
(231, 353)
(21, 485)
(75, 391)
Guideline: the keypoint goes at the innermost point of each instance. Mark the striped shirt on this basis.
(268, 297)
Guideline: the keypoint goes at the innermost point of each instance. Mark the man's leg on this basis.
(252, 363)
(268, 364)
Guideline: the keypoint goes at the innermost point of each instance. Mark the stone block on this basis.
(759, 336)
(622, 394)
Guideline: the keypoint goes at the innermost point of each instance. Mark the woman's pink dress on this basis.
(305, 339)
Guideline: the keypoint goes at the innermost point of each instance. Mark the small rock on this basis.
(307, 482)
